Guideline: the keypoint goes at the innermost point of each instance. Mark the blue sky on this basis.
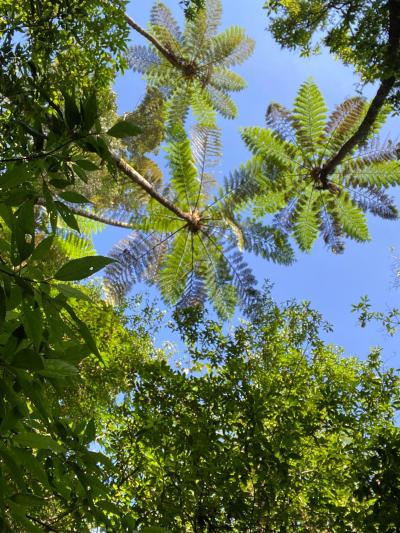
(332, 283)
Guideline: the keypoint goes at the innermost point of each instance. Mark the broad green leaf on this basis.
(67, 215)
(37, 441)
(57, 368)
(86, 164)
(28, 359)
(30, 500)
(42, 249)
(124, 129)
(78, 269)
(73, 197)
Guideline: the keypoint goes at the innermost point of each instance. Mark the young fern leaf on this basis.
(306, 221)
(309, 118)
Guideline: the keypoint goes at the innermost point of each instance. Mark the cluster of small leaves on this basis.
(356, 31)
(295, 149)
(199, 74)
(269, 429)
(192, 7)
(48, 39)
(44, 457)
(390, 320)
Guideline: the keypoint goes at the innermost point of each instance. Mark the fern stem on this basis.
(99, 218)
(172, 58)
(379, 99)
(137, 178)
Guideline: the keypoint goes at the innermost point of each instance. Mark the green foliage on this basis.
(266, 428)
(356, 31)
(201, 258)
(47, 470)
(200, 68)
(289, 162)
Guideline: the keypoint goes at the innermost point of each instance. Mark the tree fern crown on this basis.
(202, 257)
(200, 76)
(294, 153)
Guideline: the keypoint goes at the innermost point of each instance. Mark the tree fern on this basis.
(76, 244)
(297, 149)
(196, 257)
(198, 62)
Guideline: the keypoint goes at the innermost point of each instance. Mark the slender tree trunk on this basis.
(170, 56)
(137, 178)
(380, 98)
(100, 218)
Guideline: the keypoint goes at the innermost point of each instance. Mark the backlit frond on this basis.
(222, 102)
(229, 48)
(135, 257)
(161, 16)
(184, 177)
(376, 201)
(306, 221)
(267, 242)
(265, 144)
(280, 120)
(309, 117)
(141, 59)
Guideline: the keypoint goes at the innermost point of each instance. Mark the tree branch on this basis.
(380, 98)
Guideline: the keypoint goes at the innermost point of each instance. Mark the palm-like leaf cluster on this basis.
(294, 152)
(201, 258)
(201, 76)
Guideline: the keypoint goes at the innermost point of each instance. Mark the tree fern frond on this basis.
(184, 179)
(306, 221)
(161, 16)
(382, 174)
(167, 39)
(203, 110)
(376, 201)
(241, 185)
(331, 232)
(178, 104)
(284, 219)
(195, 292)
(267, 145)
(351, 218)
(309, 117)
(213, 10)
(242, 277)
(226, 80)
(372, 152)
(142, 58)
(268, 203)
(176, 267)
(217, 279)
(222, 102)
(343, 122)
(78, 244)
(158, 218)
(74, 245)
(206, 148)
(229, 48)
(280, 120)
(135, 256)
(268, 242)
